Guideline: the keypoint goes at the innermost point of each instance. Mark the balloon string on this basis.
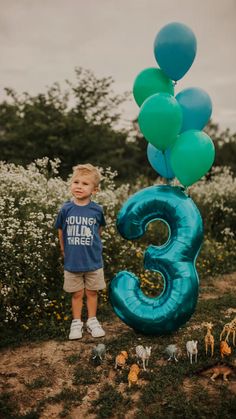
(166, 167)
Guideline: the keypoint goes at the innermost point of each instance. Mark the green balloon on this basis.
(192, 156)
(150, 81)
(160, 120)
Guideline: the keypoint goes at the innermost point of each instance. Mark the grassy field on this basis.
(59, 378)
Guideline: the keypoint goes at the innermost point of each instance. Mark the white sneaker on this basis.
(94, 327)
(76, 329)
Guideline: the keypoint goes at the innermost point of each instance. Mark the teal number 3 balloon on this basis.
(175, 260)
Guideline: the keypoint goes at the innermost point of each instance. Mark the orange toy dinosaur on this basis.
(133, 374)
(224, 349)
(220, 370)
(121, 359)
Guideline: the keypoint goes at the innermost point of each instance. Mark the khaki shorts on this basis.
(76, 281)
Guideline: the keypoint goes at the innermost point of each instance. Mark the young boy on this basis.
(79, 225)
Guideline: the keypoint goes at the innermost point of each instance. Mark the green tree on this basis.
(225, 145)
(77, 125)
(80, 124)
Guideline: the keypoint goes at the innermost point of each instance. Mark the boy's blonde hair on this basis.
(87, 169)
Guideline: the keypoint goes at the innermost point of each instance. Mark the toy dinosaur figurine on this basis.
(224, 349)
(121, 359)
(220, 370)
(173, 352)
(99, 351)
(133, 374)
(144, 354)
(228, 329)
(191, 347)
(209, 338)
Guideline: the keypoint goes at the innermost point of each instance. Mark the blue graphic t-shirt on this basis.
(82, 244)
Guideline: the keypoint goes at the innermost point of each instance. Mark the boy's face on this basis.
(82, 187)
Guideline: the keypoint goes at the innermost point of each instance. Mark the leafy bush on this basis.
(30, 272)
(31, 266)
(216, 200)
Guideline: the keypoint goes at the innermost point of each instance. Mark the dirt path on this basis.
(37, 371)
(40, 371)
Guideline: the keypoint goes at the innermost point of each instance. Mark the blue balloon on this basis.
(196, 107)
(175, 48)
(175, 260)
(160, 161)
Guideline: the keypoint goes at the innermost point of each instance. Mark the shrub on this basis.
(31, 267)
(216, 200)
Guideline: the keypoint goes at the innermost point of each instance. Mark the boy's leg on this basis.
(94, 281)
(74, 284)
(76, 328)
(77, 304)
(92, 302)
(93, 325)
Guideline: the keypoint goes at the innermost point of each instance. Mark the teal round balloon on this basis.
(160, 161)
(160, 120)
(196, 107)
(175, 260)
(150, 81)
(175, 47)
(192, 156)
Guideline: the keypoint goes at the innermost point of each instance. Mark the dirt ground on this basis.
(48, 361)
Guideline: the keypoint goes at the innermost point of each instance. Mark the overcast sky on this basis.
(42, 41)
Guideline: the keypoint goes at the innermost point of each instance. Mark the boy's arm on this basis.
(100, 231)
(61, 241)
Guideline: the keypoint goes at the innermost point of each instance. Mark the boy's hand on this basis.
(60, 236)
